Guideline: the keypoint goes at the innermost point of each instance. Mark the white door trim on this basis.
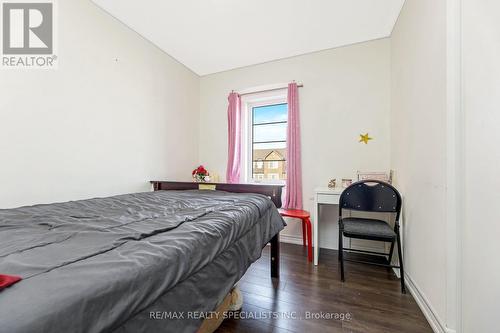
(454, 166)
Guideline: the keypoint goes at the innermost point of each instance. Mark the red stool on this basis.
(306, 227)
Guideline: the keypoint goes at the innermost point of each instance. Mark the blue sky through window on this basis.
(269, 142)
(270, 113)
(264, 132)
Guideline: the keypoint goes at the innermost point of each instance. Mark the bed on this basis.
(136, 262)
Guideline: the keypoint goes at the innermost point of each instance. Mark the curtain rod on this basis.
(299, 85)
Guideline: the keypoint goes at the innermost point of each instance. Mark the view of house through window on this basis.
(269, 124)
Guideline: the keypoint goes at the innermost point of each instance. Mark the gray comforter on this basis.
(103, 264)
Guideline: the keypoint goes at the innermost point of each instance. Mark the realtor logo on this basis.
(28, 34)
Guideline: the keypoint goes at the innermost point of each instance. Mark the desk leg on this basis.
(315, 230)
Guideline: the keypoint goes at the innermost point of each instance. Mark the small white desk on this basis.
(322, 196)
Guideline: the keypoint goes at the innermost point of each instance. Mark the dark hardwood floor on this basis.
(369, 301)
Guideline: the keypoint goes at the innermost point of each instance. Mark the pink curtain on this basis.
(234, 138)
(293, 190)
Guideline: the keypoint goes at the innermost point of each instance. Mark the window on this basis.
(273, 176)
(266, 118)
(273, 165)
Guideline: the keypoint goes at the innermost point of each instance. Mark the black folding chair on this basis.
(371, 196)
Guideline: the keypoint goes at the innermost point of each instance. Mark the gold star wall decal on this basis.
(364, 138)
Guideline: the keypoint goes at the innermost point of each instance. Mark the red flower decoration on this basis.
(200, 171)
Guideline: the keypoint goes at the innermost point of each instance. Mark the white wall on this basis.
(95, 126)
(118, 112)
(346, 92)
(481, 229)
(418, 144)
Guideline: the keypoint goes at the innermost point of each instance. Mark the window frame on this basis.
(249, 102)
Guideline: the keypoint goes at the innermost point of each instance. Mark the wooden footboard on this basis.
(272, 191)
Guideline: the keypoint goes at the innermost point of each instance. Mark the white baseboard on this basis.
(437, 324)
(291, 239)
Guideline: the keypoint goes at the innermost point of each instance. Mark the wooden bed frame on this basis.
(272, 191)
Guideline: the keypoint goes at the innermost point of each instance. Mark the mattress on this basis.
(112, 264)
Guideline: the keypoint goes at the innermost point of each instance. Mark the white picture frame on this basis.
(382, 176)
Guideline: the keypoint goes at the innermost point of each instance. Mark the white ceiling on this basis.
(210, 36)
